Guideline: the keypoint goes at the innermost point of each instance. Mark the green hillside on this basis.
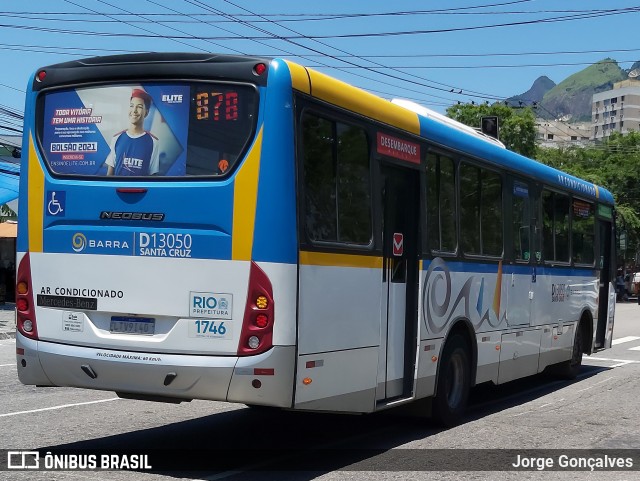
(572, 97)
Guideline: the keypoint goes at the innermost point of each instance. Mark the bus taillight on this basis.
(257, 326)
(259, 69)
(25, 311)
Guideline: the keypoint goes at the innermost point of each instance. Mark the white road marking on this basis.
(594, 385)
(624, 339)
(5, 365)
(637, 348)
(539, 407)
(59, 407)
(624, 361)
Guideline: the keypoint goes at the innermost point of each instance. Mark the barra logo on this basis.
(78, 242)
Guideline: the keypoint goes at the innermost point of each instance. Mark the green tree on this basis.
(7, 214)
(517, 126)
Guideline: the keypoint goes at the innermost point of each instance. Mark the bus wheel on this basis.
(454, 381)
(570, 369)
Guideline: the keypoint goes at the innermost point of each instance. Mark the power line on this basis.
(417, 67)
(495, 54)
(362, 66)
(12, 88)
(122, 21)
(320, 16)
(200, 21)
(335, 36)
(306, 17)
(576, 14)
(206, 7)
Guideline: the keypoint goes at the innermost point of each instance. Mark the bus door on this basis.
(606, 293)
(396, 361)
(520, 350)
(520, 281)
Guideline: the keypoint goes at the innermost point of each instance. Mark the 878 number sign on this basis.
(216, 106)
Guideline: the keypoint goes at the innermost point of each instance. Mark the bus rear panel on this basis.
(138, 266)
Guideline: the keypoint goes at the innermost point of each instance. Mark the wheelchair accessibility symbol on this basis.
(56, 203)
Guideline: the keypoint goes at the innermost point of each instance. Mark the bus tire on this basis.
(454, 383)
(571, 368)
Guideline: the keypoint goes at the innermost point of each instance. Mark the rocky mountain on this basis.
(571, 99)
(535, 94)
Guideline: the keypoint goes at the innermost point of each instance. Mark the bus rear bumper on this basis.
(265, 379)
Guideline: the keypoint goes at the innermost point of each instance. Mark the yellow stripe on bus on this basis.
(357, 100)
(35, 200)
(245, 198)
(339, 260)
(299, 77)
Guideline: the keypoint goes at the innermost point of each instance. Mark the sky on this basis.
(436, 53)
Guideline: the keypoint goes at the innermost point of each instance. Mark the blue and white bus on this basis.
(242, 229)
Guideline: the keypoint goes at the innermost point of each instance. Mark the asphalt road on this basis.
(597, 411)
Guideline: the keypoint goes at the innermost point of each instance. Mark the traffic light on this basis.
(489, 126)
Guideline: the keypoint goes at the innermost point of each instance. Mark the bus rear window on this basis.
(140, 130)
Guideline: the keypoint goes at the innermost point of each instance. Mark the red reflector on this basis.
(311, 364)
(22, 304)
(263, 371)
(20, 351)
(259, 68)
(262, 320)
(131, 190)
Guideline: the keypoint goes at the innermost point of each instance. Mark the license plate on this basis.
(133, 325)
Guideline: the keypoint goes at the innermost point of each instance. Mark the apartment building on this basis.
(616, 110)
(557, 133)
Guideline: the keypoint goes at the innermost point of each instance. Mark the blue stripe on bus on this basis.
(477, 147)
(275, 238)
(492, 268)
(22, 242)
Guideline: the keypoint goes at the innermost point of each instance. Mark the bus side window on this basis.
(441, 203)
(583, 232)
(521, 215)
(336, 181)
(555, 211)
(480, 211)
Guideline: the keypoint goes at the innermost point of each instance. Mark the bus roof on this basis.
(438, 131)
(326, 88)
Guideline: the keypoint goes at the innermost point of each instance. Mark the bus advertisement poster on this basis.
(120, 130)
